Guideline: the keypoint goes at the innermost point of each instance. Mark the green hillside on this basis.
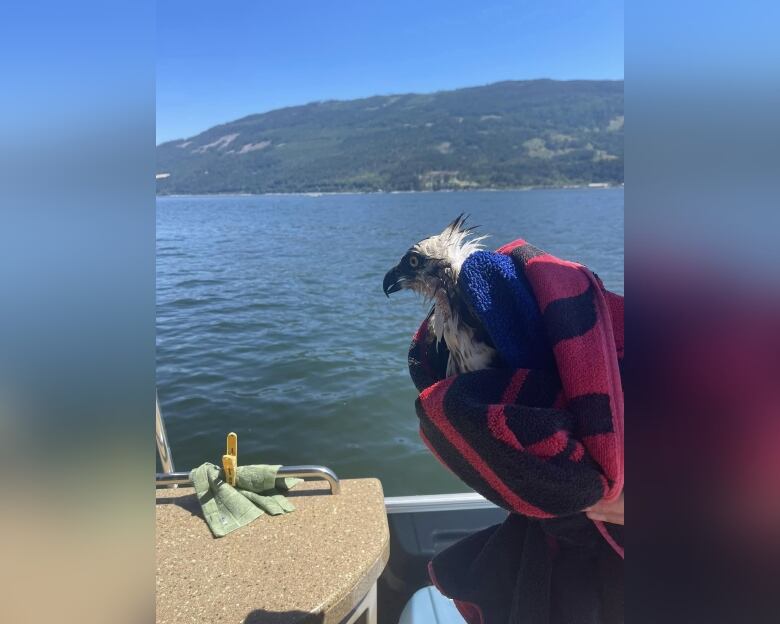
(503, 135)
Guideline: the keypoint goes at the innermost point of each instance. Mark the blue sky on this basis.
(218, 61)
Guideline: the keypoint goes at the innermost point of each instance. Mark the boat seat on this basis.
(429, 606)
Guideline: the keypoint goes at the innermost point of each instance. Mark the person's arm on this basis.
(607, 512)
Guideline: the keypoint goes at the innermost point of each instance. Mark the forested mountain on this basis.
(504, 135)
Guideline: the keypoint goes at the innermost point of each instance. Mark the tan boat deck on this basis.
(313, 565)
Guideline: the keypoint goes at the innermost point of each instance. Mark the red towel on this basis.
(543, 442)
(540, 442)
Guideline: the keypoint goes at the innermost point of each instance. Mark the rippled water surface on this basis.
(271, 320)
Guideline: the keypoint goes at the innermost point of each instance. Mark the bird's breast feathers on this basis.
(467, 352)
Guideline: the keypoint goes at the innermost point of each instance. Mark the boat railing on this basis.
(393, 504)
(161, 436)
(170, 478)
(323, 473)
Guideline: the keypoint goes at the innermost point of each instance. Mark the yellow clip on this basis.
(230, 459)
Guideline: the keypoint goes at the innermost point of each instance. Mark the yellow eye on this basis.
(414, 261)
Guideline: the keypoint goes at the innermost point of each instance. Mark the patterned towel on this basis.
(543, 435)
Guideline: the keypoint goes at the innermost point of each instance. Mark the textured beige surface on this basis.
(313, 565)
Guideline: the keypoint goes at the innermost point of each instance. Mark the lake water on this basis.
(271, 321)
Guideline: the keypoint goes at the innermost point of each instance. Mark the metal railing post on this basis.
(163, 448)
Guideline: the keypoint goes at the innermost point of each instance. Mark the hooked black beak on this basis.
(392, 281)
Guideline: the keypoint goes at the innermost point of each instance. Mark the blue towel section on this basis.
(503, 301)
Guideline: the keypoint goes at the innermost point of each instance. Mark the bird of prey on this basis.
(431, 268)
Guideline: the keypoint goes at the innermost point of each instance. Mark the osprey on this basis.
(431, 268)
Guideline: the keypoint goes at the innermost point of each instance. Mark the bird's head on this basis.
(434, 263)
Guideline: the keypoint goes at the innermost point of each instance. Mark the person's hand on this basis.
(607, 512)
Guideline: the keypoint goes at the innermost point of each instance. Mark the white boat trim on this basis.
(436, 502)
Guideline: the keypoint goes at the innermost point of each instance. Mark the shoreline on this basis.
(568, 187)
